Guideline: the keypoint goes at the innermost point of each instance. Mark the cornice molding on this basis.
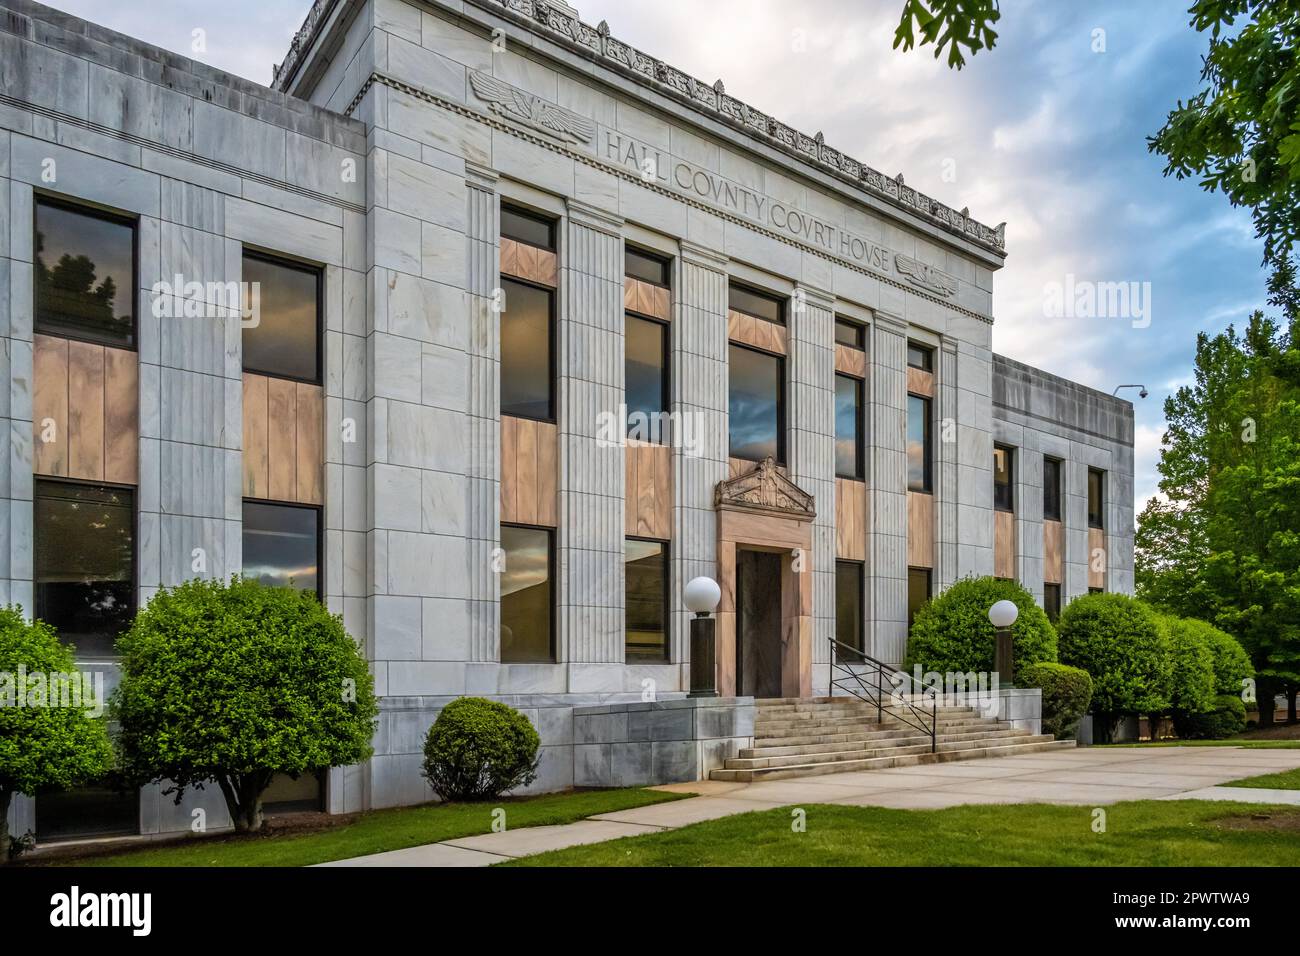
(560, 23)
(591, 217)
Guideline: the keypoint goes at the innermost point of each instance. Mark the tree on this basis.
(1223, 544)
(235, 683)
(45, 744)
(952, 23)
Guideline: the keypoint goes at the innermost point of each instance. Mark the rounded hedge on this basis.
(478, 749)
(1119, 641)
(1232, 667)
(1192, 681)
(235, 682)
(952, 632)
(1067, 692)
(43, 747)
(1226, 718)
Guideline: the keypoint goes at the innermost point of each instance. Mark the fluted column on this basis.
(699, 384)
(591, 382)
(484, 410)
(812, 445)
(945, 458)
(887, 491)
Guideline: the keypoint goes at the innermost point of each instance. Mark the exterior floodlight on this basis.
(1003, 614)
(701, 595)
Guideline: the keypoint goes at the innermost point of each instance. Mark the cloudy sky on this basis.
(1047, 132)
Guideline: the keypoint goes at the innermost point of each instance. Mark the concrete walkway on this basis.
(1088, 776)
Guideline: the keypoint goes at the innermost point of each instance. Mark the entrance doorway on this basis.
(758, 623)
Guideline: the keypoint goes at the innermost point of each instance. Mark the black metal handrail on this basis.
(852, 683)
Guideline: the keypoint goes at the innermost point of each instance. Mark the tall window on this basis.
(282, 545)
(645, 266)
(527, 360)
(527, 327)
(1003, 489)
(84, 563)
(645, 356)
(918, 592)
(645, 572)
(848, 608)
(849, 333)
(760, 305)
(527, 227)
(1051, 489)
(282, 335)
(1096, 498)
(919, 461)
(1052, 601)
(918, 356)
(756, 428)
(85, 274)
(527, 595)
(848, 427)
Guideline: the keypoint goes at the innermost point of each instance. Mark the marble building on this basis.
(547, 328)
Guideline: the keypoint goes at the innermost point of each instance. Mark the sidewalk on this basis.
(1091, 776)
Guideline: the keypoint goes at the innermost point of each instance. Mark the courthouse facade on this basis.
(495, 331)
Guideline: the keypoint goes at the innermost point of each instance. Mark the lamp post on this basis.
(701, 596)
(1002, 615)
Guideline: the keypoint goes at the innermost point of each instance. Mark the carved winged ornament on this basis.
(925, 275)
(532, 111)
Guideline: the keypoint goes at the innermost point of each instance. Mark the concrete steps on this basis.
(794, 738)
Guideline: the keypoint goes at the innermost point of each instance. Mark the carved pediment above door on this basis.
(766, 490)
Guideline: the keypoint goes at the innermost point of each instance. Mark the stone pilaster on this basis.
(811, 371)
(699, 384)
(590, 608)
(484, 411)
(16, 311)
(887, 491)
(945, 467)
(190, 494)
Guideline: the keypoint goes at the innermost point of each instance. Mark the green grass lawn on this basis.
(380, 831)
(1249, 743)
(1283, 780)
(1139, 833)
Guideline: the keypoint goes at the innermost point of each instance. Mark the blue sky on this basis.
(1045, 132)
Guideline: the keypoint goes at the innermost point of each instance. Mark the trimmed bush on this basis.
(1192, 681)
(1066, 694)
(1232, 665)
(1120, 643)
(478, 749)
(952, 632)
(42, 747)
(234, 683)
(1226, 718)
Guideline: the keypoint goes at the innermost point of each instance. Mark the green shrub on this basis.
(234, 683)
(952, 632)
(478, 749)
(1226, 718)
(1066, 694)
(42, 747)
(1232, 665)
(1191, 672)
(1119, 642)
